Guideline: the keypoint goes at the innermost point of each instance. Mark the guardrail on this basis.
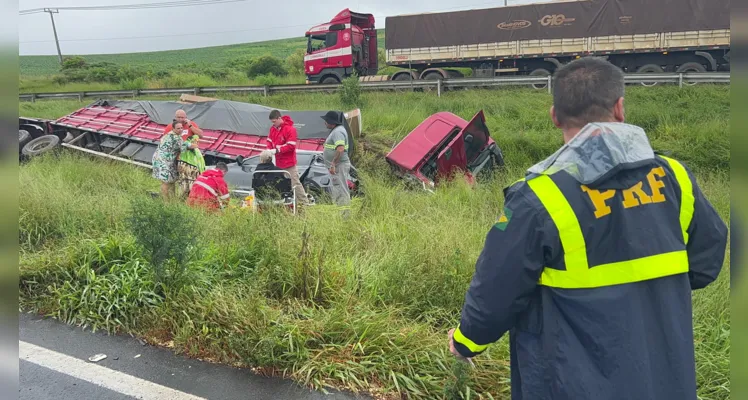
(539, 82)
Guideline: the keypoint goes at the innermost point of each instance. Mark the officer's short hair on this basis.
(222, 166)
(275, 114)
(585, 90)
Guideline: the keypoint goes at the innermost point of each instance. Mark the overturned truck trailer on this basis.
(132, 129)
(129, 131)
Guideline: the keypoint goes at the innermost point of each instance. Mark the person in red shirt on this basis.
(209, 189)
(282, 143)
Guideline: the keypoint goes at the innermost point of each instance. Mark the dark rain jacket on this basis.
(624, 341)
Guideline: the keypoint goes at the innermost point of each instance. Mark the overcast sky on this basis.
(128, 31)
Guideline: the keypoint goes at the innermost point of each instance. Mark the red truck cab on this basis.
(347, 44)
(442, 145)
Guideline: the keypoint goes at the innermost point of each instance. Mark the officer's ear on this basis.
(554, 118)
(619, 111)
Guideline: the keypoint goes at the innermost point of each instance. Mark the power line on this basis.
(168, 4)
(177, 35)
(181, 4)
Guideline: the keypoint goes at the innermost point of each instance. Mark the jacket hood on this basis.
(287, 120)
(213, 173)
(599, 151)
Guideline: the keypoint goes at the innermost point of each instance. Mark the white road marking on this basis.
(101, 376)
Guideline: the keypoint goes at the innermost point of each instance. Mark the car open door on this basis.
(451, 158)
(464, 148)
(475, 135)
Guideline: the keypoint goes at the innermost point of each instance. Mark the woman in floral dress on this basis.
(165, 159)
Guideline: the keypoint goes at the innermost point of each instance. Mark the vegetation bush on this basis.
(295, 62)
(165, 234)
(267, 80)
(240, 63)
(363, 303)
(350, 92)
(266, 65)
(75, 62)
(133, 84)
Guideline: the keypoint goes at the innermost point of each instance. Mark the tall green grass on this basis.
(690, 122)
(362, 304)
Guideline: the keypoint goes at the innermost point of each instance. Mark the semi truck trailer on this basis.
(639, 36)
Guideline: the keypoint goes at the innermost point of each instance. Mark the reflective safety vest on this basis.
(578, 273)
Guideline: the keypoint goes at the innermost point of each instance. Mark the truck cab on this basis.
(345, 45)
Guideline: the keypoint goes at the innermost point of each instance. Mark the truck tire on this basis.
(540, 72)
(330, 80)
(649, 69)
(41, 145)
(691, 67)
(403, 78)
(23, 138)
(431, 76)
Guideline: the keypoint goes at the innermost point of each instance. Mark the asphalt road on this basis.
(53, 364)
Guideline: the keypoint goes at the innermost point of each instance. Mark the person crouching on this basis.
(210, 189)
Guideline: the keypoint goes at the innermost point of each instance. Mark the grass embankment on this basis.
(177, 80)
(363, 304)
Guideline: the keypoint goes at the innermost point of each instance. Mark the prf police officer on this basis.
(591, 265)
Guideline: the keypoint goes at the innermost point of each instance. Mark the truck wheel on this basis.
(403, 78)
(691, 67)
(23, 138)
(431, 76)
(40, 145)
(330, 80)
(540, 72)
(649, 69)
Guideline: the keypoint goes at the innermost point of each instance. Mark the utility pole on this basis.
(54, 29)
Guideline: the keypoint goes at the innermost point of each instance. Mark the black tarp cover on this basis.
(555, 20)
(225, 115)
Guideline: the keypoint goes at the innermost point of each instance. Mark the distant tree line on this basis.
(263, 68)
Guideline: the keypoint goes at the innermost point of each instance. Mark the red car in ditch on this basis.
(443, 144)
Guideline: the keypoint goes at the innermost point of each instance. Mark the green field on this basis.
(186, 68)
(362, 304)
(37, 73)
(31, 66)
